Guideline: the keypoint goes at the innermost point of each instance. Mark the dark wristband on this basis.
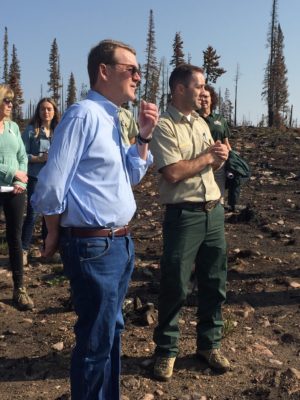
(142, 140)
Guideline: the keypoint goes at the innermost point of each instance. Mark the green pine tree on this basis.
(151, 70)
(178, 54)
(54, 69)
(14, 80)
(5, 75)
(71, 91)
(211, 65)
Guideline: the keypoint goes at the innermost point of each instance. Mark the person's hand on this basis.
(18, 189)
(220, 150)
(218, 154)
(43, 157)
(21, 176)
(148, 118)
(51, 244)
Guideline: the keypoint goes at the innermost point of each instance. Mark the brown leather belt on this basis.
(196, 206)
(99, 232)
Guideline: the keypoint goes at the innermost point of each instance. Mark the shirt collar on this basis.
(177, 116)
(110, 107)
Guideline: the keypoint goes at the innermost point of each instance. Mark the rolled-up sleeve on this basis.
(136, 166)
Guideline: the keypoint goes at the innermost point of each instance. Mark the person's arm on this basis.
(226, 142)
(227, 135)
(148, 118)
(215, 155)
(20, 176)
(51, 242)
(26, 136)
(69, 142)
(138, 156)
(9, 174)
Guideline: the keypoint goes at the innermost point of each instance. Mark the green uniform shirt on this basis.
(176, 138)
(218, 127)
(13, 155)
(128, 125)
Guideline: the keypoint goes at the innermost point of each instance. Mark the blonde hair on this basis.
(6, 91)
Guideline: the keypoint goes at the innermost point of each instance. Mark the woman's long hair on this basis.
(36, 120)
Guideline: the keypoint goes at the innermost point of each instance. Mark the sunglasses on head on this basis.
(7, 101)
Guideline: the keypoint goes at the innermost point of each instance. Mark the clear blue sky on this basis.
(237, 29)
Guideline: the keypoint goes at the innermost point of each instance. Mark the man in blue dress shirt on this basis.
(85, 193)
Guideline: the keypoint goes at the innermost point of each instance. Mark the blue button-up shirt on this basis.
(89, 172)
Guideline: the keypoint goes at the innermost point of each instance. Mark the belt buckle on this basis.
(111, 232)
(209, 205)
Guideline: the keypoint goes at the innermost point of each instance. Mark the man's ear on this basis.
(103, 72)
(180, 88)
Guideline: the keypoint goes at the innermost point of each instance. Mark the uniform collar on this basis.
(177, 116)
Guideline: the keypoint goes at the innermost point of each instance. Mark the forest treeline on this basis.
(155, 73)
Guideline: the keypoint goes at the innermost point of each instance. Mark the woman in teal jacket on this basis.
(13, 179)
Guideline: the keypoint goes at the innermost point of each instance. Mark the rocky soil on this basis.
(262, 313)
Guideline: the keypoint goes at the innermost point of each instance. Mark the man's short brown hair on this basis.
(183, 74)
(103, 53)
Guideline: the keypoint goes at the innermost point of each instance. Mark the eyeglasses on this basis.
(7, 101)
(130, 68)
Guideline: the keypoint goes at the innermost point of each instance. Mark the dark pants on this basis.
(99, 270)
(13, 207)
(31, 217)
(192, 236)
(234, 189)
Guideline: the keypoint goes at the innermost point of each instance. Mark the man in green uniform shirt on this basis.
(193, 228)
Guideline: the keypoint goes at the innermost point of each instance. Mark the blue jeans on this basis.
(31, 217)
(99, 270)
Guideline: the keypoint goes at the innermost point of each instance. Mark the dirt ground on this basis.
(262, 312)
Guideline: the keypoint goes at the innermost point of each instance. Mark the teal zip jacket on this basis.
(13, 155)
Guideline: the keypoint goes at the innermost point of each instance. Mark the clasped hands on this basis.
(20, 176)
(219, 153)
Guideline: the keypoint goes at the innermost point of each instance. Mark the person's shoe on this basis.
(22, 299)
(239, 207)
(25, 257)
(163, 368)
(55, 259)
(35, 253)
(236, 208)
(214, 359)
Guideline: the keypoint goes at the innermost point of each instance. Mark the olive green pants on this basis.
(191, 238)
